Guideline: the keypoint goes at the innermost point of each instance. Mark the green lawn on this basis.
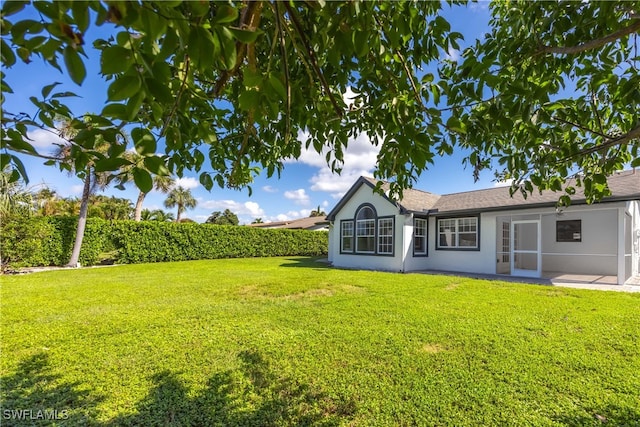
(288, 341)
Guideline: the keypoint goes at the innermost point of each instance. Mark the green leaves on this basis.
(115, 59)
(245, 36)
(123, 88)
(143, 180)
(228, 54)
(202, 48)
(144, 141)
(75, 65)
(245, 84)
(225, 14)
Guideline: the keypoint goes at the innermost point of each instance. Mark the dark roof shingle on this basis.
(623, 185)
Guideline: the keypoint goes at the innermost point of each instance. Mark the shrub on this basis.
(44, 241)
(157, 241)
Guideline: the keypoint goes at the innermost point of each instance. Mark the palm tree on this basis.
(92, 180)
(46, 201)
(182, 198)
(257, 221)
(110, 208)
(14, 197)
(317, 212)
(162, 183)
(156, 215)
(145, 215)
(223, 218)
(160, 215)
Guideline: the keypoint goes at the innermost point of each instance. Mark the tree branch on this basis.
(579, 126)
(416, 93)
(611, 142)
(283, 52)
(175, 104)
(312, 58)
(592, 44)
(250, 20)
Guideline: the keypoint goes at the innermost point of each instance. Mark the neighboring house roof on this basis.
(623, 185)
(309, 223)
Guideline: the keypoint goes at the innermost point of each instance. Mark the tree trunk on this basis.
(138, 214)
(178, 217)
(82, 221)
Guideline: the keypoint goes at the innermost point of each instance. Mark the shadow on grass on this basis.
(32, 395)
(611, 415)
(317, 263)
(254, 395)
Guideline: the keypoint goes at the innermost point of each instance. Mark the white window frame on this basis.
(457, 227)
(343, 235)
(423, 236)
(366, 229)
(385, 240)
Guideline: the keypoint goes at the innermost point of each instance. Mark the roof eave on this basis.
(535, 205)
(362, 180)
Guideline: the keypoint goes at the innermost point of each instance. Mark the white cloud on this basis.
(360, 158)
(505, 183)
(45, 138)
(302, 213)
(187, 182)
(76, 190)
(481, 5)
(269, 189)
(251, 209)
(452, 54)
(298, 196)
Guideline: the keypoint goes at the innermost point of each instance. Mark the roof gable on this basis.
(412, 200)
(370, 182)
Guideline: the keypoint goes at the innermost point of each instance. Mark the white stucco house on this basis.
(489, 232)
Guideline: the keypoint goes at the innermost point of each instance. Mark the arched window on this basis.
(366, 230)
(367, 234)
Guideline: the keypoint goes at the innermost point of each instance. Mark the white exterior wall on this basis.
(605, 249)
(597, 253)
(633, 209)
(466, 261)
(383, 207)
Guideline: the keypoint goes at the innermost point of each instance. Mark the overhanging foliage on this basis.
(227, 88)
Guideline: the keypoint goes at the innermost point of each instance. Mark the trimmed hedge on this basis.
(44, 241)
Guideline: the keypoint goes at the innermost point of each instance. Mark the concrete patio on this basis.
(576, 281)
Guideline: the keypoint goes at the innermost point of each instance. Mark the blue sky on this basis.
(303, 185)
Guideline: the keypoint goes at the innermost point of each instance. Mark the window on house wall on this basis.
(569, 231)
(385, 236)
(419, 236)
(457, 233)
(346, 236)
(366, 230)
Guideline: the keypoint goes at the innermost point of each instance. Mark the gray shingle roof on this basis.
(412, 200)
(623, 185)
